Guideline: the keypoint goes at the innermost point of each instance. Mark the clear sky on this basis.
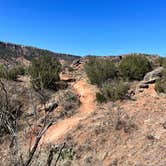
(81, 27)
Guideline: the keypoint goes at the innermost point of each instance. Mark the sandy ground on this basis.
(86, 93)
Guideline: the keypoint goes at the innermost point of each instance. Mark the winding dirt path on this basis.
(88, 105)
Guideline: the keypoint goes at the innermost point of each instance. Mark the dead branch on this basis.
(50, 157)
(37, 140)
(60, 153)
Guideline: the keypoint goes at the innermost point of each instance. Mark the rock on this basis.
(76, 62)
(150, 137)
(51, 106)
(131, 92)
(152, 76)
(143, 85)
(70, 80)
(152, 81)
(80, 61)
(139, 90)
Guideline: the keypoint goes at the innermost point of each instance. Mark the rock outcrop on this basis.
(154, 75)
(149, 78)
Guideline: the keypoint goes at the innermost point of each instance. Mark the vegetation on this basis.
(100, 98)
(134, 67)
(100, 70)
(11, 73)
(161, 61)
(1, 71)
(70, 102)
(160, 85)
(44, 72)
(112, 91)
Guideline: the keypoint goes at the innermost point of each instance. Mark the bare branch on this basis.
(37, 140)
(60, 153)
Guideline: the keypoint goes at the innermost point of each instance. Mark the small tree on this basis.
(99, 70)
(134, 67)
(44, 72)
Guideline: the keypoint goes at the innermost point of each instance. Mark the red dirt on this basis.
(88, 105)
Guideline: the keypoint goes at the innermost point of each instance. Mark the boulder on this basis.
(143, 85)
(51, 107)
(80, 61)
(76, 62)
(152, 76)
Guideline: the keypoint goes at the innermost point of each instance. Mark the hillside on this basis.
(68, 124)
(9, 50)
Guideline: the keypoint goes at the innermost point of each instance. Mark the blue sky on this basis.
(81, 27)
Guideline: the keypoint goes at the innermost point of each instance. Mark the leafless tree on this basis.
(9, 122)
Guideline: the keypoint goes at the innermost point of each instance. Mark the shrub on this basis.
(11, 73)
(161, 61)
(1, 70)
(44, 72)
(100, 98)
(112, 91)
(160, 85)
(21, 70)
(134, 67)
(99, 70)
(70, 102)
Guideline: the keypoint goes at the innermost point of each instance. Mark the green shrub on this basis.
(160, 85)
(11, 73)
(69, 104)
(44, 72)
(134, 67)
(1, 70)
(161, 61)
(99, 70)
(112, 91)
(21, 70)
(100, 98)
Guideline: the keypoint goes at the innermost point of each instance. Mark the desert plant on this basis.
(99, 70)
(100, 98)
(160, 85)
(70, 102)
(21, 70)
(44, 72)
(11, 73)
(112, 91)
(1, 70)
(134, 67)
(161, 61)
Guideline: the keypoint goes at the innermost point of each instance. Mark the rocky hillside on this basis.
(9, 50)
(83, 122)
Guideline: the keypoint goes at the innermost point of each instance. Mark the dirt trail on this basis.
(88, 105)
